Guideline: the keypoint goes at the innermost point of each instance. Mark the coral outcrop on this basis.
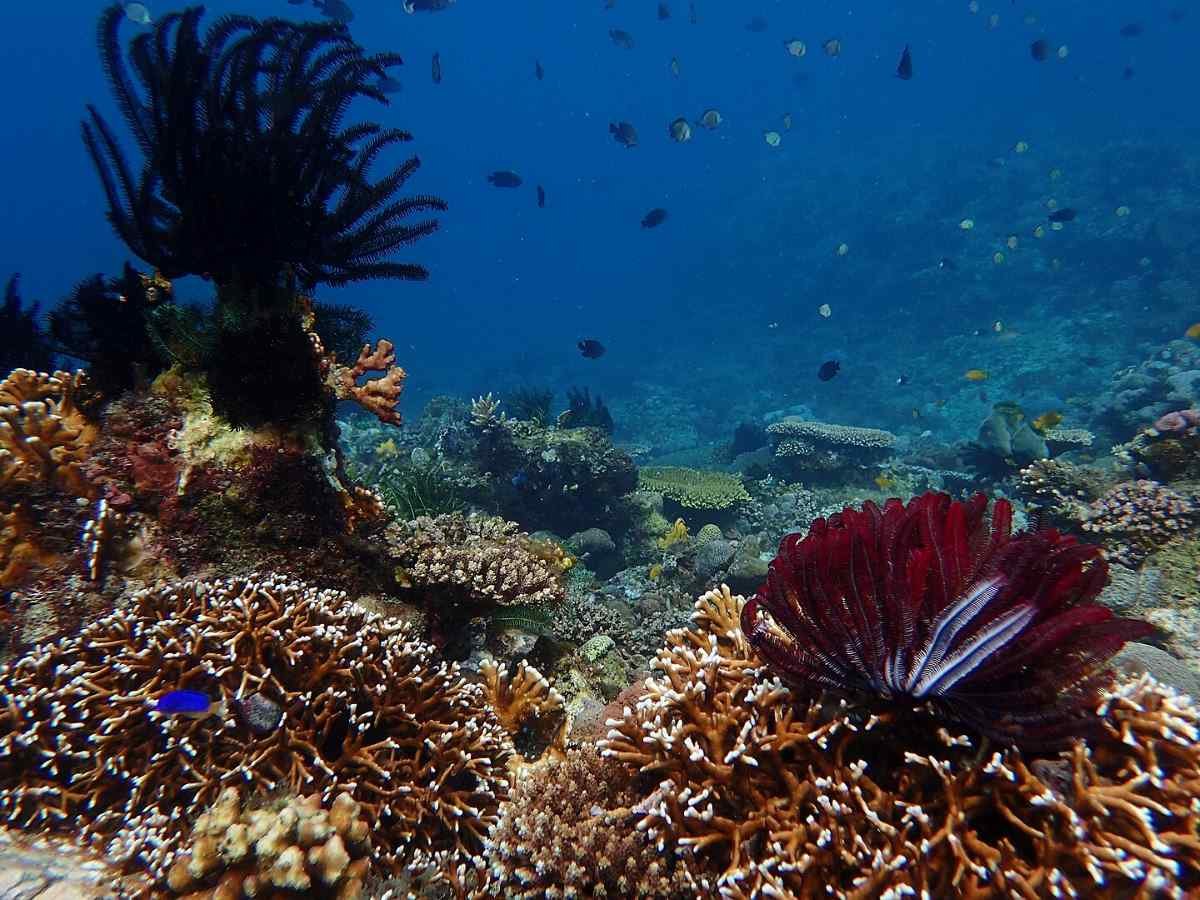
(1136, 517)
(302, 846)
(477, 562)
(762, 794)
(805, 448)
(358, 706)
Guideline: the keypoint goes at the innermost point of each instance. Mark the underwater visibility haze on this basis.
(602, 449)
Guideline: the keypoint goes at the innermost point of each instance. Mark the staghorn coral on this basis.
(761, 794)
(693, 488)
(528, 708)
(566, 832)
(44, 437)
(378, 396)
(928, 606)
(364, 708)
(476, 561)
(1136, 517)
(485, 412)
(301, 847)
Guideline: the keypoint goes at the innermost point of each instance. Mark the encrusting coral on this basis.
(356, 703)
(763, 794)
(301, 847)
(693, 488)
(476, 561)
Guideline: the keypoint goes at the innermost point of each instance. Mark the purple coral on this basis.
(928, 603)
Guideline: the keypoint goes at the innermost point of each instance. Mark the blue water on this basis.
(718, 303)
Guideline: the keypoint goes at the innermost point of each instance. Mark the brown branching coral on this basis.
(567, 832)
(527, 706)
(44, 438)
(477, 561)
(378, 396)
(301, 847)
(19, 546)
(358, 706)
(763, 795)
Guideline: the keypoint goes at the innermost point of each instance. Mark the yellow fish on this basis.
(976, 375)
(655, 571)
(884, 481)
(1194, 332)
(1046, 421)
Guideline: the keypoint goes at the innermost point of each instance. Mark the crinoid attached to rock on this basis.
(929, 603)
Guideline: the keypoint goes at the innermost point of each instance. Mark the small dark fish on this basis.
(1040, 50)
(437, 68)
(623, 133)
(1127, 73)
(1066, 214)
(338, 10)
(695, 19)
(664, 12)
(412, 6)
(590, 349)
(901, 380)
(520, 479)
(758, 25)
(947, 264)
(388, 85)
(829, 369)
(904, 69)
(193, 704)
(541, 194)
(621, 38)
(1133, 29)
(260, 714)
(832, 47)
(538, 72)
(654, 218)
(505, 179)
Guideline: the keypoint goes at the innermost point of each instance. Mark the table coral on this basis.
(320, 850)
(367, 709)
(477, 561)
(808, 446)
(694, 488)
(762, 794)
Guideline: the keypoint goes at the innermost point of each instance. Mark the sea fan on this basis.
(931, 605)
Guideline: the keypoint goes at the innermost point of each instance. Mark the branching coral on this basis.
(300, 847)
(566, 832)
(527, 706)
(360, 707)
(930, 604)
(477, 561)
(1059, 490)
(1137, 517)
(763, 794)
(378, 396)
(693, 488)
(44, 438)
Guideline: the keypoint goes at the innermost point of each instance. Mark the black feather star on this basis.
(248, 174)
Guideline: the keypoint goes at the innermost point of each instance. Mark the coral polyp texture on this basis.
(764, 793)
(303, 846)
(44, 437)
(1135, 518)
(932, 604)
(476, 561)
(310, 693)
(694, 488)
